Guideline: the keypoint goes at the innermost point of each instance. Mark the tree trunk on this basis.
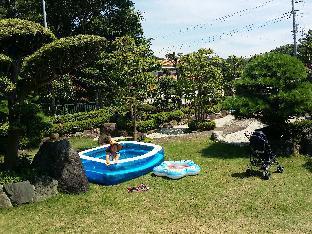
(11, 156)
(134, 119)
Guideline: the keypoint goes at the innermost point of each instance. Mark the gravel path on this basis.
(228, 130)
(237, 137)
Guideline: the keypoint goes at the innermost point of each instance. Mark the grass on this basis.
(219, 199)
(82, 143)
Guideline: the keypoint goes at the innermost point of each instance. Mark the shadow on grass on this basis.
(163, 177)
(225, 151)
(240, 175)
(308, 165)
(243, 175)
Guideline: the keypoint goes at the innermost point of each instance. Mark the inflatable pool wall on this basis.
(136, 159)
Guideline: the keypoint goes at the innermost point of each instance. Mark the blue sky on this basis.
(240, 27)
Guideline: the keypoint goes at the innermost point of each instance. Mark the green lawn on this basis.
(219, 199)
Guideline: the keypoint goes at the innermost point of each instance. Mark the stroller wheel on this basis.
(248, 172)
(266, 175)
(280, 169)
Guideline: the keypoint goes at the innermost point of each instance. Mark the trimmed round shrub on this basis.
(20, 38)
(198, 125)
(145, 126)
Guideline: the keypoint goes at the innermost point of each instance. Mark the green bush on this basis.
(78, 122)
(4, 127)
(147, 125)
(74, 52)
(22, 37)
(273, 88)
(165, 117)
(81, 116)
(187, 110)
(160, 118)
(147, 108)
(205, 125)
(33, 125)
(8, 177)
(122, 120)
(177, 115)
(298, 131)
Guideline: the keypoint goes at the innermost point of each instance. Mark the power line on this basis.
(247, 28)
(221, 19)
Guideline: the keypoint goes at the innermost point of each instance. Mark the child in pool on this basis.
(112, 152)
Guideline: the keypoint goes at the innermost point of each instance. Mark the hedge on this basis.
(77, 122)
(205, 125)
(147, 125)
(81, 116)
(165, 117)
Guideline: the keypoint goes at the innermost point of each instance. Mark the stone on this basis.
(20, 192)
(108, 128)
(4, 201)
(1, 188)
(45, 187)
(78, 134)
(217, 136)
(59, 161)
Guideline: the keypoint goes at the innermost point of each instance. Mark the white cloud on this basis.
(165, 18)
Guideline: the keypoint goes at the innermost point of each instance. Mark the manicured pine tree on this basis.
(273, 88)
(31, 57)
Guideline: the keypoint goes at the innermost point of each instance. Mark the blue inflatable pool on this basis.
(136, 159)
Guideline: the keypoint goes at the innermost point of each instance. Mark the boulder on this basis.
(4, 201)
(57, 160)
(108, 128)
(45, 187)
(20, 192)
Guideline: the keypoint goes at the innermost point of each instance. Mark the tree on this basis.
(285, 49)
(201, 79)
(232, 70)
(107, 18)
(128, 71)
(305, 50)
(273, 88)
(165, 94)
(32, 57)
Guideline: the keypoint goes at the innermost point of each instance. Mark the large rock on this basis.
(20, 192)
(58, 160)
(107, 128)
(45, 187)
(4, 201)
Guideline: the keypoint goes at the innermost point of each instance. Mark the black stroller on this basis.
(261, 155)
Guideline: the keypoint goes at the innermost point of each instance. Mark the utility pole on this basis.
(44, 14)
(295, 26)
